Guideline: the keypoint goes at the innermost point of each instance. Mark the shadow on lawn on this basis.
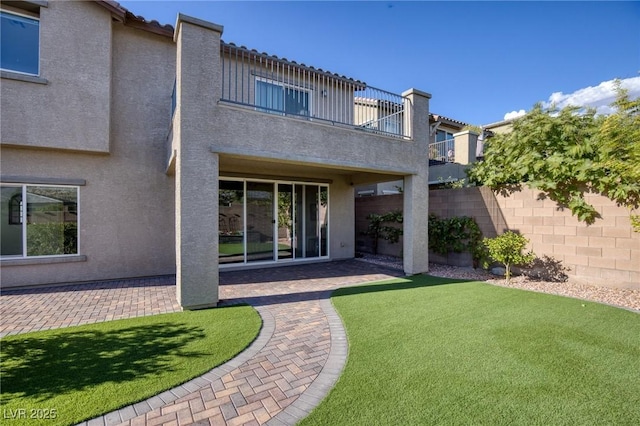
(406, 283)
(43, 367)
(403, 283)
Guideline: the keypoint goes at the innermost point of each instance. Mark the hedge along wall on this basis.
(606, 253)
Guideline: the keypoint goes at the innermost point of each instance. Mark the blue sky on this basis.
(480, 60)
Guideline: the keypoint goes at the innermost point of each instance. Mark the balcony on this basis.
(442, 152)
(278, 86)
(449, 159)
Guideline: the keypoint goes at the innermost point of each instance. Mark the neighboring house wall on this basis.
(500, 127)
(446, 129)
(464, 150)
(116, 100)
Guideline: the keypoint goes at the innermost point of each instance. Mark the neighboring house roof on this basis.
(434, 118)
(499, 124)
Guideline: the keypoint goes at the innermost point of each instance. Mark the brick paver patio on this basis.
(278, 380)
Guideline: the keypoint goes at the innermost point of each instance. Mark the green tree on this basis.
(568, 152)
(508, 249)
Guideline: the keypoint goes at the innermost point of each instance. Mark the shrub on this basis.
(508, 249)
(456, 234)
(377, 228)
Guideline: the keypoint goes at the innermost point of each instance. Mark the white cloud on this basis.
(514, 114)
(599, 97)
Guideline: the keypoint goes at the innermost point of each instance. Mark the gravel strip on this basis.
(624, 298)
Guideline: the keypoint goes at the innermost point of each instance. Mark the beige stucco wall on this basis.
(126, 207)
(213, 138)
(72, 110)
(501, 127)
(127, 222)
(330, 98)
(303, 149)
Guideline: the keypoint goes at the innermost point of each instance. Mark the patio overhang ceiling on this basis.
(268, 167)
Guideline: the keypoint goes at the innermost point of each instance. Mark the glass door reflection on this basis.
(260, 221)
(285, 221)
(231, 222)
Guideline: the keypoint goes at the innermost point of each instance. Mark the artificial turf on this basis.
(77, 373)
(426, 351)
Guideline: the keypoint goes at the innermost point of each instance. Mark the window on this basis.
(275, 97)
(441, 135)
(20, 38)
(46, 225)
(270, 221)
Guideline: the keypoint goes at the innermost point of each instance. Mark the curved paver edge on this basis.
(326, 380)
(168, 396)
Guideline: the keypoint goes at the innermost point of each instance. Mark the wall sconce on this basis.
(324, 93)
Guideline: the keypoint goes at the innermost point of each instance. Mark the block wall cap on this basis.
(416, 92)
(195, 21)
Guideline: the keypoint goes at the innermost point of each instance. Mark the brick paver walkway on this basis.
(278, 380)
(36, 309)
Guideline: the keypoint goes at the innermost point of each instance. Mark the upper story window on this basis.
(275, 97)
(441, 135)
(38, 220)
(20, 43)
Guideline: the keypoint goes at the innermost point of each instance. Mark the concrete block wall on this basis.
(606, 253)
(378, 205)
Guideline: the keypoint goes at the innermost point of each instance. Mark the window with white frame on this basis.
(279, 98)
(20, 43)
(38, 220)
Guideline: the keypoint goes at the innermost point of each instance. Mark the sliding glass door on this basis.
(285, 221)
(260, 221)
(271, 221)
(231, 244)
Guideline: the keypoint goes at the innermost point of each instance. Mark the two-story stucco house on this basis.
(133, 149)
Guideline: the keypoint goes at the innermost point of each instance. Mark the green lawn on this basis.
(426, 351)
(84, 371)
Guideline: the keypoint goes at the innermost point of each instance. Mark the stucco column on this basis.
(198, 76)
(465, 147)
(416, 187)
